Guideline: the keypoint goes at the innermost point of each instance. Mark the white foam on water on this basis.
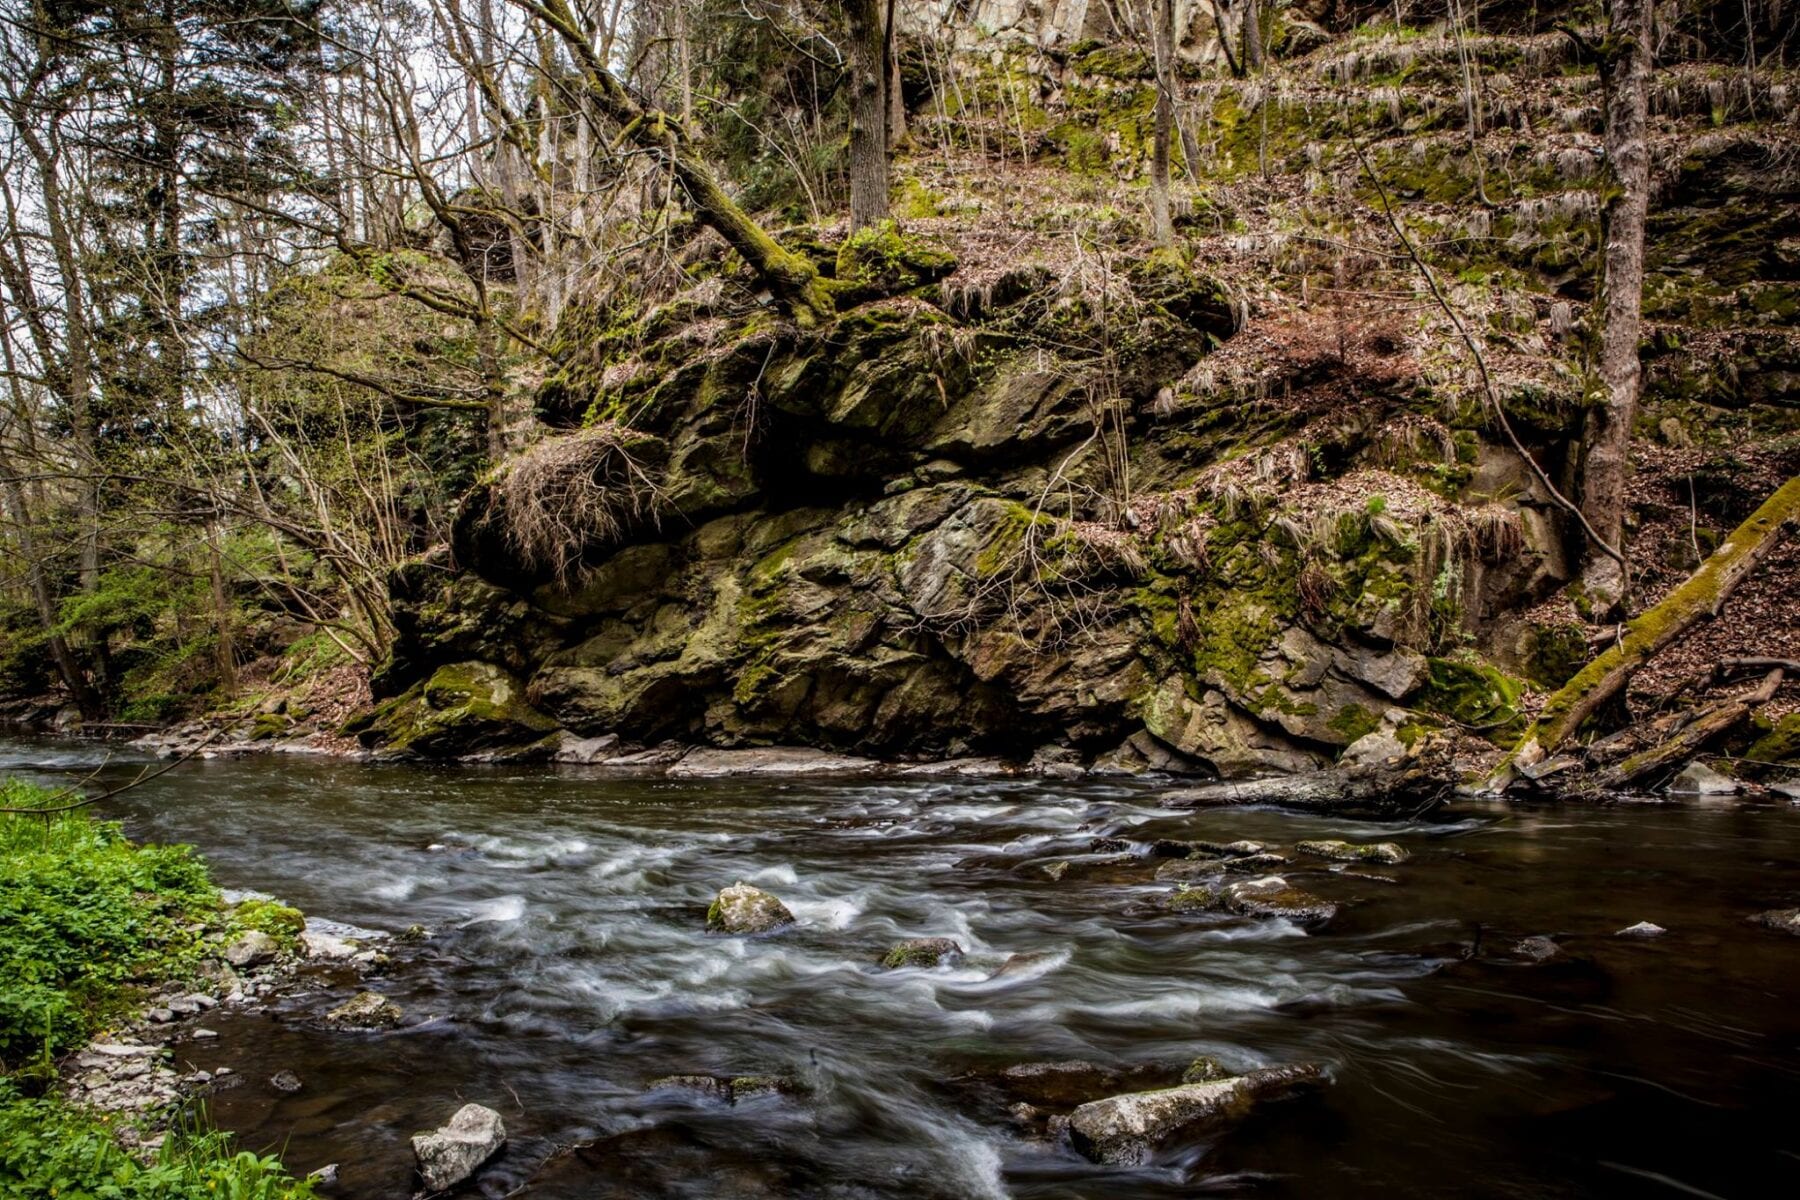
(838, 913)
(501, 909)
(782, 874)
(399, 889)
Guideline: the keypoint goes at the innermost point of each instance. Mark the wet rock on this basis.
(1643, 929)
(1537, 948)
(453, 1152)
(1204, 1069)
(366, 1010)
(325, 947)
(1193, 899)
(204, 1035)
(1274, 896)
(251, 949)
(1255, 862)
(326, 1175)
(705, 1085)
(1126, 1130)
(1057, 869)
(1341, 851)
(1782, 920)
(1185, 869)
(1239, 849)
(285, 1082)
(465, 708)
(161, 1016)
(749, 1087)
(1063, 1083)
(921, 952)
(768, 760)
(742, 908)
(1698, 779)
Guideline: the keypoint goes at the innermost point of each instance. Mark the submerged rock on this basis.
(1537, 948)
(286, 1082)
(1058, 1084)
(1126, 1130)
(1782, 920)
(366, 1010)
(1273, 896)
(1339, 850)
(709, 1086)
(742, 908)
(453, 1152)
(1193, 899)
(921, 952)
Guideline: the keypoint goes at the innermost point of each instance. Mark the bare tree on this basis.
(1606, 439)
(1162, 35)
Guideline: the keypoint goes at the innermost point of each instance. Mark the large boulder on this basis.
(453, 1152)
(463, 709)
(1127, 1130)
(742, 908)
(366, 1010)
(1273, 896)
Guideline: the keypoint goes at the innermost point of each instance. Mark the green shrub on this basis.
(84, 914)
(50, 1149)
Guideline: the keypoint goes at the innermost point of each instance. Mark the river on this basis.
(569, 967)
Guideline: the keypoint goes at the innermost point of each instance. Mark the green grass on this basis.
(85, 915)
(50, 1150)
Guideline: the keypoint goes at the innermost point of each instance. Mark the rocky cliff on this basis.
(1044, 490)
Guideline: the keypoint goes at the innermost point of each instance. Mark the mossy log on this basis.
(1703, 727)
(1703, 595)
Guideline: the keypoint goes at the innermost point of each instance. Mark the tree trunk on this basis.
(896, 96)
(1703, 595)
(1163, 38)
(868, 113)
(1253, 47)
(792, 278)
(1606, 438)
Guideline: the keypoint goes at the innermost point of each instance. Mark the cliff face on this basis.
(1225, 507)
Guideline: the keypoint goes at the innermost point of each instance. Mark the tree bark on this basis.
(1253, 47)
(791, 278)
(868, 113)
(1702, 595)
(1705, 727)
(1163, 39)
(896, 96)
(1606, 437)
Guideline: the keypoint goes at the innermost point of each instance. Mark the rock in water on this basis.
(367, 1010)
(451, 1154)
(1643, 929)
(1126, 1130)
(921, 952)
(1342, 851)
(1782, 920)
(1698, 779)
(1273, 896)
(251, 948)
(741, 908)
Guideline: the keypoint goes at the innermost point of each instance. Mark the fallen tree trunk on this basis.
(1691, 738)
(1703, 595)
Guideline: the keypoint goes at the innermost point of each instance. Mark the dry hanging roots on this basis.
(567, 494)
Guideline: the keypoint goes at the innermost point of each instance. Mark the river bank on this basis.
(1477, 1019)
(119, 957)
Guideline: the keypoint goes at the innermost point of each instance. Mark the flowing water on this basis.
(569, 967)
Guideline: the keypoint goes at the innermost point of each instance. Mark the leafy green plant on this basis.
(50, 1149)
(84, 914)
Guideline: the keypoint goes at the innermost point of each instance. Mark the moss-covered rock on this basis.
(462, 709)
